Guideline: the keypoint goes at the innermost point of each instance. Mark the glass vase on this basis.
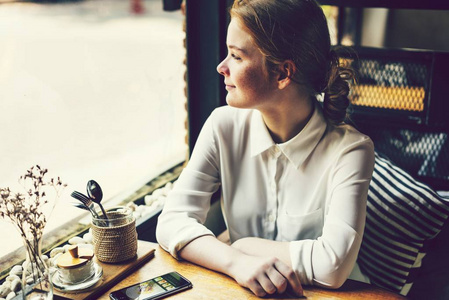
(36, 277)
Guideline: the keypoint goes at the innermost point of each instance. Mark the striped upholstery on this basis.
(402, 214)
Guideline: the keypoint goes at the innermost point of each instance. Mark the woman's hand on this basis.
(264, 275)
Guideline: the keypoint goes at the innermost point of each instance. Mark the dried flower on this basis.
(26, 210)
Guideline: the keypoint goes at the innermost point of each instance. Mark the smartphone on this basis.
(155, 288)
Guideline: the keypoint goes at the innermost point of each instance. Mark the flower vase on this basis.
(36, 277)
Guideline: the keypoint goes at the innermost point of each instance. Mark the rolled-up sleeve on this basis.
(328, 260)
(187, 205)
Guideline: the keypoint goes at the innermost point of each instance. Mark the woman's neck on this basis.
(288, 117)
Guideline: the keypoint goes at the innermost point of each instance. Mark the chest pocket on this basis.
(300, 227)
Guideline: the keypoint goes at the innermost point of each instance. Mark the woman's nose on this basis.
(222, 68)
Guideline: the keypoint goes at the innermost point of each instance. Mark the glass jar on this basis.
(115, 238)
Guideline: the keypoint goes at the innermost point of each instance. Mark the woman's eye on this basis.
(235, 57)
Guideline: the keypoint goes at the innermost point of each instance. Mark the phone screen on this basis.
(155, 288)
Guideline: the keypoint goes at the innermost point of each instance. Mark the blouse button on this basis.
(271, 217)
(275, 152)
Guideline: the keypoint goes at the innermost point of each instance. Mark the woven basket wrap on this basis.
(116, 243)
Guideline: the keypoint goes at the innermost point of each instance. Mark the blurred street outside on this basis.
(89, 90)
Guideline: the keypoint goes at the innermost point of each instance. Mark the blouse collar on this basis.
(298, 148)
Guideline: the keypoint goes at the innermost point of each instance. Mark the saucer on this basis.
(88, 282)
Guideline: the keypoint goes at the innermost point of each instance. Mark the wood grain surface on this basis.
(207, 284)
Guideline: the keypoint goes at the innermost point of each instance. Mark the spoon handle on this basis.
(104, 212)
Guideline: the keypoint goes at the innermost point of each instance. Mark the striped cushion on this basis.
(402, 214)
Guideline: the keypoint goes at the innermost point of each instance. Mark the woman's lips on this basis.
(230, 87)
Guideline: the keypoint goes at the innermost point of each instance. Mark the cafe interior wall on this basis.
(405, 28)
(422, 29)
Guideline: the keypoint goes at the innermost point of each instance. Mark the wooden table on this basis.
(208, 284)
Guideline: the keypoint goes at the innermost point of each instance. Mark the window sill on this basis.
(145, 220)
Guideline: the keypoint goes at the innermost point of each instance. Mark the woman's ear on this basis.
(286, 72)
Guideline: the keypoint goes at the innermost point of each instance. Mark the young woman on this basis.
(294, 177)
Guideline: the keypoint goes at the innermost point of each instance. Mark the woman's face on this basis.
(247, 81)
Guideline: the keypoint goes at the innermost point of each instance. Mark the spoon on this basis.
(86, 202)
(95, 194)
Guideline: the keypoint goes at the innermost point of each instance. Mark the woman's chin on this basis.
(232, 101)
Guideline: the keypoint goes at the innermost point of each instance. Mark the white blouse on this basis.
(310, 190)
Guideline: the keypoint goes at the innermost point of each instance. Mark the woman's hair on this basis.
(297, 30)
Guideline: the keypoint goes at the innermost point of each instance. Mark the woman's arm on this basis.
(263, 247)
(334, 254)
(181, 232)
(187, 205)
(261, 274)
(328, 260)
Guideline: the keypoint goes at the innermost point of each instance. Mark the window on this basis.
(90, 90)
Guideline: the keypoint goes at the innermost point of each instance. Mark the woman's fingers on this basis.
(264, 275)
(275, 277)
(266, 283)
(256, 288)
(280, 282)
(288, 273)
